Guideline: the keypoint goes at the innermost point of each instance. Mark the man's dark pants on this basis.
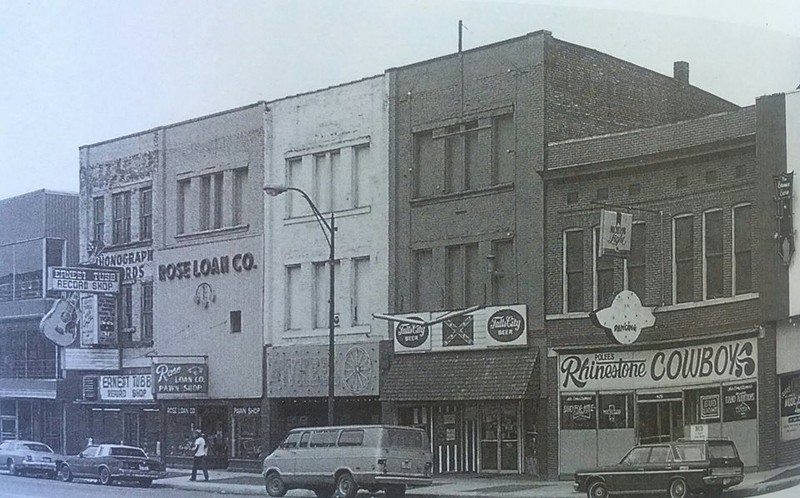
(199, 462)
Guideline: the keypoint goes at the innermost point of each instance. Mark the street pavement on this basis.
(468, 485)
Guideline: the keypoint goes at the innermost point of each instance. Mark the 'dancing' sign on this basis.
(700, 364)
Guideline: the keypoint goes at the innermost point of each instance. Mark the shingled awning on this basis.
(462, 375)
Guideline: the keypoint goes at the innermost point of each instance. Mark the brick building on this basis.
(468, 137)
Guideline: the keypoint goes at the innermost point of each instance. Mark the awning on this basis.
(491, 374)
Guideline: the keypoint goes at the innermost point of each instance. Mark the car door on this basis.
(656, 471)
(631, 470)
(82, 464)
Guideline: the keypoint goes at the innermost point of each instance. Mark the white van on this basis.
(346, 458)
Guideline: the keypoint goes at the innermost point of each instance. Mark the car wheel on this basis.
(12, 467)
(105, 476)
(597, 490)
(66, 474)
(275, 485)
(396, 491)
(145, 482)
(677, 488)
(346, 486)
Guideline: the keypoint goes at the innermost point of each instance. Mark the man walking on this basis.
(200, 451)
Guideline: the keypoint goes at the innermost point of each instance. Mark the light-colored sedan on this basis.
(29, 457)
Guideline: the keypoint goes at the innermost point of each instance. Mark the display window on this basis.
(616, 411)
(246, 432)
(578, 411)
(703, 406)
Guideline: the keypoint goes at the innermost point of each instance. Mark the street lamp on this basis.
(329, 230)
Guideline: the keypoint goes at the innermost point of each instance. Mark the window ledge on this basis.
(672, 307)
(213, 231)
(327, 215)
(433, 199)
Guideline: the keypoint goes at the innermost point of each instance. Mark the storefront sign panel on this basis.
(126, 387)
(81, 279)
(672, 367)
(135, 265)
(412, 337)
(181, 378)
(739, 402)
(790, 406)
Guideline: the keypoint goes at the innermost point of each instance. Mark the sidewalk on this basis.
(451, 486)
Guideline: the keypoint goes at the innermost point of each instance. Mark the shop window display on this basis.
(246, 434)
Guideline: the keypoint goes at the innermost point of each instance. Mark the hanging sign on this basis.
(624, 320)
(181, 378)
(62, 278)
(615, 234)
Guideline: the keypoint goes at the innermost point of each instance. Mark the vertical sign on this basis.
(89, 327)
(785, 234)
(615, 234)
(790, 407)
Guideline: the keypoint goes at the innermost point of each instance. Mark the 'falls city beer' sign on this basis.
(700, 364)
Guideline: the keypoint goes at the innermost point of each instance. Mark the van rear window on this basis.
(351, 438)
(323, 439)
(405, 438)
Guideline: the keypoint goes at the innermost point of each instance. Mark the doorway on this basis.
(660, 417)
(500, 438)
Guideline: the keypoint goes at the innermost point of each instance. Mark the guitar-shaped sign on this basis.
(60, 324)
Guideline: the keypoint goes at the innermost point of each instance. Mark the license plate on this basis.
(46, 459)
(144, 467)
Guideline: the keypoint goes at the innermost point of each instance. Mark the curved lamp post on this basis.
(329, 230)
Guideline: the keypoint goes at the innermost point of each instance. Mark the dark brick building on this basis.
(468, 139)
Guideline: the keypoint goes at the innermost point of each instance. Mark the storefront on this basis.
(788, 371)
(610, 400)
(32, 419)
(297, 385)
(120, 408)
(472, 383)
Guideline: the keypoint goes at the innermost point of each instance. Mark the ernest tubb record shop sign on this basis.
(670, 367)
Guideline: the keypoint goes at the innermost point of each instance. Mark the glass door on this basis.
(500, 438)
(660, 417)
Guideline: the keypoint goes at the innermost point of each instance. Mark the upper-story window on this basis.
(211, 201)
(22, 267)
(121, 216)
(146, 213)
(683, 258)
(572, 262)
(237, 203)
(362, 282)
(462, 283)
(742, 250)
(331, 182)
(425, 292)
(636, 264)
(181, 214)
(294, 298)
(713, 274)
(147, 311)
(465, 156)
(603, 293)
(362, 170)
(99, 212)
(322, 292)
(503, 272)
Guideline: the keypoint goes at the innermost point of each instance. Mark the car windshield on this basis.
(722, 450)
(127, 452)
(37, 447)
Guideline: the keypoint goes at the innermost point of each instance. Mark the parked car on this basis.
(679, 468)
(341, 460)
(112, 462)
(29, 457)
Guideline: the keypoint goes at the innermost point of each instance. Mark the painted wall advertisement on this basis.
(491, 327)
(181, 378)
(672, 367)
(790, 407)
(137, 387)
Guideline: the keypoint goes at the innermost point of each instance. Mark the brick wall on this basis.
(590, 93)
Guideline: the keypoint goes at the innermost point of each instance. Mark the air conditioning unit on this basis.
(89, 387)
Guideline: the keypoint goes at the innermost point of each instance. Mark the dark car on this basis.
(679, 468)
(29, 457)
(113, 462)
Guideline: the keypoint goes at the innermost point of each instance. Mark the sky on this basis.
(78, 72)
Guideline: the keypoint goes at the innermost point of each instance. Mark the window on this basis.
(603, 275)
(121, 214)
(742, 250)
(503, 272)
(362, 168)
(126, 306)
(683, 259)
(636, 263)
(99, 219)
(351, 437)
(659, 455)
(294, 298)
(27, 261)
(6, 273)
(637, 456)
(237, 202)
(291, 440)
(702, 406)
(332, 183)
(211, 201)
(147, 311)
(426, 165)
(425, 290)
(573, 270)
(616, 411)
(362, 311)
(297, 206)
(146, 214)
(463, 286)
(182, 199)
(503, 147)
(323, 439)
(465, 166)
(322, 292)
(236, 322)
(54, 256)
(712, 248)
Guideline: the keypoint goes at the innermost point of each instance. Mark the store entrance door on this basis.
(8, 428)
(660, 417)
(500, 438)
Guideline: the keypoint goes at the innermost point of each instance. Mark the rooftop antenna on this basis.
(460, 34)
